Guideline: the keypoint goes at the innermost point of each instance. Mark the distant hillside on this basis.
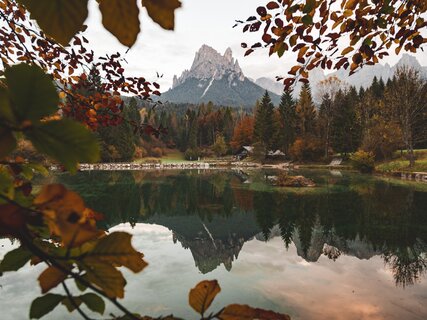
(217, 78)
(362, 78)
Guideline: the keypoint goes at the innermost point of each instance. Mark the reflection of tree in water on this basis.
(353, 215)
(408, 265)
(264, 207)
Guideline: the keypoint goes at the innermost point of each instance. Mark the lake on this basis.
(353, 247)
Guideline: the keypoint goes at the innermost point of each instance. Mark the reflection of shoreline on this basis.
(213, 213)
(209, 252)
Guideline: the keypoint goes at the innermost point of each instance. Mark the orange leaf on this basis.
(294, 70)
(50, 278)
(302, 51)
(66, 215)
(57, 197)
(202, 295)
(245, 312)
(105, 276)
(267, 17)
(116, 249)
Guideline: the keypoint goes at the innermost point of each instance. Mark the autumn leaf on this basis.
(347, 50)
(12, 220)
(60, 19)
(245, 312)
(65, 214)
(105, 276)
(294, 70)
(272, 5)
(162, 11)
(351, 4)
(116, 249)
(57, 197)
(120, 17)
(202, 295)
(50, 278)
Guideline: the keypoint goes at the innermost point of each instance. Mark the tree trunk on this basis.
(411, 155)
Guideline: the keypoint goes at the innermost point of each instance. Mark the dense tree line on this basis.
(382, 118)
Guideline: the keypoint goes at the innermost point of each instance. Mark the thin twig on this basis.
(73, 302)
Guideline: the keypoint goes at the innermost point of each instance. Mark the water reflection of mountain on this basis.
(214, 214)
(211, 242)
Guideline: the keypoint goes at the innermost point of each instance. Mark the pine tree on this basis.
(264, 127)
(193, 132)
(345, 131)
(288, 121)
(378, 88)
(118, 142)
(306, 112)
(325, 121)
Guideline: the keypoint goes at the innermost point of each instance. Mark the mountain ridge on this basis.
(216, 78)
(362, 78)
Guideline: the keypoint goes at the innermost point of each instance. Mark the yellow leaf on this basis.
(245, 312)
(348, 13)
(120, 17)
(60, 19)
(50, 278)
(202, 295)
(162, 11)
(105, 276)
(116, 249)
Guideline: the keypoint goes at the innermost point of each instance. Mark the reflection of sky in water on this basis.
(265, 275)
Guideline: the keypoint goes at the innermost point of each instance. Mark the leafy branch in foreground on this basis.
(333, 34)
(73, 68)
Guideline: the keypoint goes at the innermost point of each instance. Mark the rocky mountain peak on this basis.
(217, 78)
(228, 55)
(210, 64)
(408, 61)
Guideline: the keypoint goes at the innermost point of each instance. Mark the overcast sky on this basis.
(198, 22)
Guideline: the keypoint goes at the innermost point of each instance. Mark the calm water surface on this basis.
(354, 247)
